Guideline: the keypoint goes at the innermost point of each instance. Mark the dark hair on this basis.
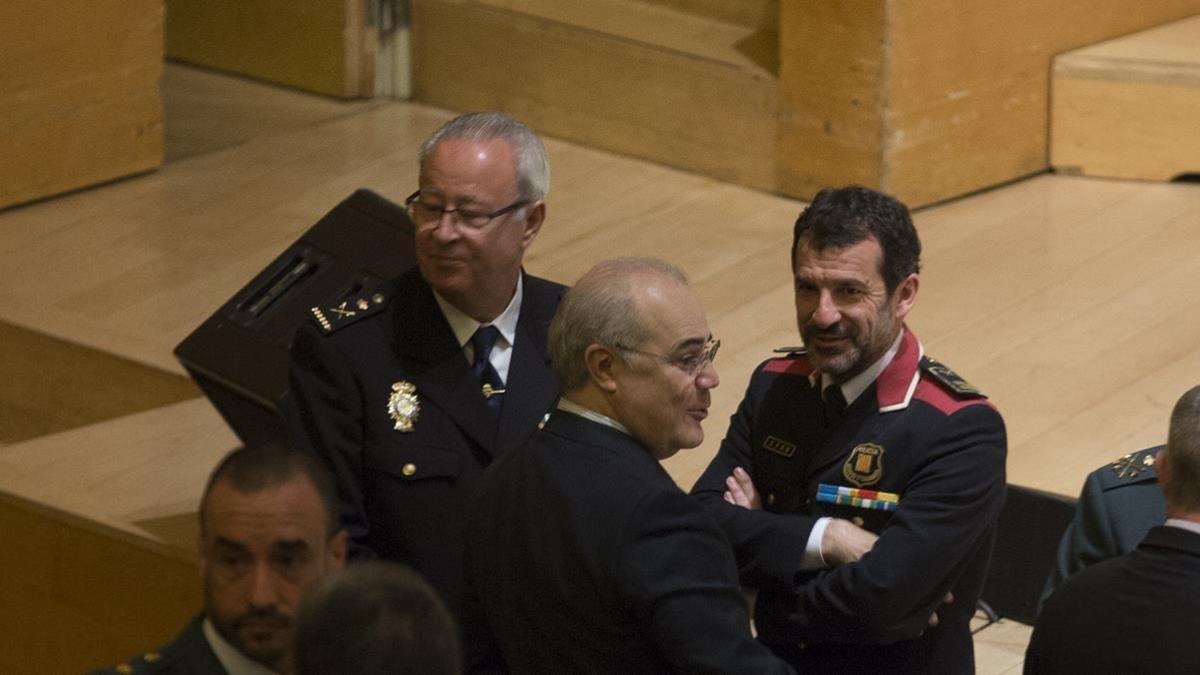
(258, 467)
(839, 217)
(374, 618)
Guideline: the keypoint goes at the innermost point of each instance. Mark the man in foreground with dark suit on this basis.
(1140, 612)
(582, 553)
(268, 530)
(409, 390)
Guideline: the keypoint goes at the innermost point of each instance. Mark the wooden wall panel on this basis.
(969, 85)
(323, 46)
(933, 99)
(831, 95)
(1126, 108)
(597, 88)
(79, 99)
(79, 594)
(750, 13)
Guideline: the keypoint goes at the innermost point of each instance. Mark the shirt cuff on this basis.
(812, 550)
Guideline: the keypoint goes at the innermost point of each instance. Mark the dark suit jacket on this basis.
(587, 558)
(1118, 505)
(1137, 613)
(187, 654)
(403, 494)
(919, 432)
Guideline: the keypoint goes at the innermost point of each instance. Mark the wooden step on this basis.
(642, 78)
(1126, 108)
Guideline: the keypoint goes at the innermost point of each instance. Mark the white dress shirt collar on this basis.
(1183, 524)
(464, 327)
(589, 414)
(855, 386)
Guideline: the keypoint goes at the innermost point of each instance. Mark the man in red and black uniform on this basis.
(860, 481)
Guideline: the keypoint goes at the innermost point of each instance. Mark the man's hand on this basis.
(740, 490)
(844, 542)
(933, 618)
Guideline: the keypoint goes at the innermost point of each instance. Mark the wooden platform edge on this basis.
(81, 594)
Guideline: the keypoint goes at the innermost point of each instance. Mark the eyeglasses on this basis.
(691, 362)
(425, 215)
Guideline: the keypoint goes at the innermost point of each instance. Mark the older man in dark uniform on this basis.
(860, 436)
(585, 555)
(1137, 613)
(415, 389)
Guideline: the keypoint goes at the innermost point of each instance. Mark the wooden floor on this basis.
(1071, 301)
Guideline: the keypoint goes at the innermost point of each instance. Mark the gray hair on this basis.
(1183, 453)
(599, 309)
(533, 168)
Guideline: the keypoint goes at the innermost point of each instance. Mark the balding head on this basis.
(599, 309)
(1180, 477)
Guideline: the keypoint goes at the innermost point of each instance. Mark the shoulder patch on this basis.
(1135, 464)
(949, 379)
(348, 310)
(795, 363)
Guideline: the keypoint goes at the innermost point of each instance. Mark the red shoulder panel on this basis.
(932, 393)
(790, 365)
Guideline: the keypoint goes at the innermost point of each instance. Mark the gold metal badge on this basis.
(342, 311)
(489, 391)
(316, 311)
(950, 378)
(403, 406)
(864, 466)
(779, 446)
(1130, 466)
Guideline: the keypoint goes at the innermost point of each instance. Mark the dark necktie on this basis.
(489, 380)
(835, 404)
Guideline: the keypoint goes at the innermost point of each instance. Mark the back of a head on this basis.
(600, 309)
(844, 216)
(258, 467)
(1183, 455)
(375, 618)
(533, 166)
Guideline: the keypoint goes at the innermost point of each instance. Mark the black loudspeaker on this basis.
(239, 355)
(1031, 524)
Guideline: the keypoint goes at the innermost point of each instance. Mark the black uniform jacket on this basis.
(388, 399)
(920, 433)
(1137, 613)
(585, 557)
(187, 654)
(1119, 504)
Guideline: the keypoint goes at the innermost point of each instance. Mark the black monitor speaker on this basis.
(1031, 524)
(238, 356)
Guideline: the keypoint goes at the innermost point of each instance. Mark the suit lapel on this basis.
(531, 388)
(438, 368)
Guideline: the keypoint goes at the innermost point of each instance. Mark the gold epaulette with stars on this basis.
(949, 379)
(1133, 464)
(348, 310)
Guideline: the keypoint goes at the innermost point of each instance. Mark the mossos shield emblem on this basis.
(864, 466)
